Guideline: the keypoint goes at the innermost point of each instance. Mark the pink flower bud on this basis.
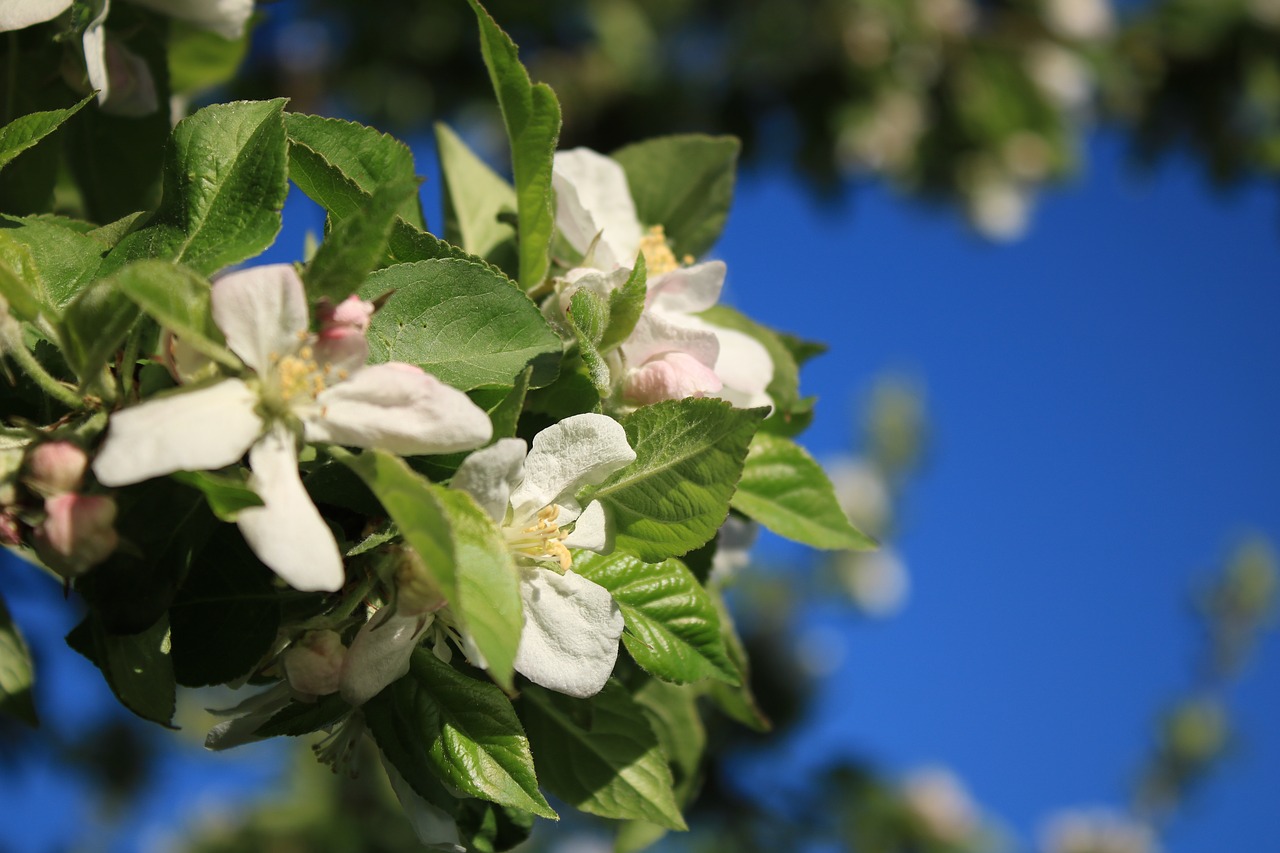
(9, 531)
(670, 376)
(314, 663)
(341, 342)
(55, 468)
(77, 533)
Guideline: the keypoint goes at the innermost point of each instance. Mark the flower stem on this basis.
(47, 383)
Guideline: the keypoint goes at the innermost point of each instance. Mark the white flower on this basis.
(877, 581)
(569, 642)
(299, 384)
(1079, 19)
(941, 802)
(672, 353)
(1097, 830)
(20, 14)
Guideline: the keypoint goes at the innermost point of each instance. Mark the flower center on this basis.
(298, 375)
(542, 541)
(658, 257)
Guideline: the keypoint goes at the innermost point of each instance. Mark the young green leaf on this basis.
(65, 261)
(137, 667)
(474, 197)
(227, 495)
(673, 631)
(784, 489)
(16, 671)
(356, 245)
(589, 317)
(224, 187)
(179, 300)
(200, 59)
(532, 117)
(412, 504)
(439, 721)
(600, 755)
(683, 183)
(488, 587)
(94, 326)
(689, 455)
(625, 306)
(505, 415)
(21, 285)
(462, 322)
(22, 133)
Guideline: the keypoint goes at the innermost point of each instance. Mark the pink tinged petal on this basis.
(571, 628)
(196, 430)
(687, 290)
(133, 89)
(490, 474)
(593, 197)
(20, 14)
(313, 664)
(287, 533)
(657, 332)
(399, 408)
(582, 450)
(55, 467)
(341, 342)
(78, 532)
(262, 311)
(670, 376)
(94, 43)
(745, 368)
(380, 654)
(591, 530)
(227, 18)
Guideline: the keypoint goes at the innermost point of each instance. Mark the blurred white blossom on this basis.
(1096, 830)
(938, 798)
(1081, 20)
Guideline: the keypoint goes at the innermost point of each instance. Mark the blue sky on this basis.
(1104, 413)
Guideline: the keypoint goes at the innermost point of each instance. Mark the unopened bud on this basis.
(77, 533)
(416, 588)
(341, 339)
(313, 665)
(55, 468)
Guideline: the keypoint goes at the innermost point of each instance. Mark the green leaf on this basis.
(474, 197)
(673, 713)
(200, 59)
(22, 133)
(179, 300)
(490, 828)
(227, 495)
(356, 246)
(137, 667)
(673, 631)
(463, 730)
(689, 455)
(790, 413)
(324, 149)
(94, 327)
(600, 755)
(413, 505)
(506, 414)
(21, 286)
(65, 261)
(532, 117)
(683, 183)
(625, 306)
(16, 672)
(488, 586)
(461, 321)
(784, 489)
(226, 614)
(224, 187)
(738, 702)
(303, 718)
(588, 317)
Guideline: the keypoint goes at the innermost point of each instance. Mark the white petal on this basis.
(591, 530)
(262, 311)
(287, 532)
(398, 407)
(19, 14)
(687, 290)
(657, 332)
(432, 825)
(227, 18)
(582, 450)
(94, 42)
(489, 475)
(187, 431)
(745, 368)
(592, 197)
(248, 715)
(571, 628)
(380, 654)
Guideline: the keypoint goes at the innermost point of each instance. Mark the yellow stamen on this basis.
(658, 257)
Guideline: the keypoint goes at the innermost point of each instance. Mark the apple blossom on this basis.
(77, 533)
(55, 467)
(569, 641)
(298, 385)
(20, 14)
(1097, 830)
(672, 353)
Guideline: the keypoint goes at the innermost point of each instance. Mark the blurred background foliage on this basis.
(974, 103)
